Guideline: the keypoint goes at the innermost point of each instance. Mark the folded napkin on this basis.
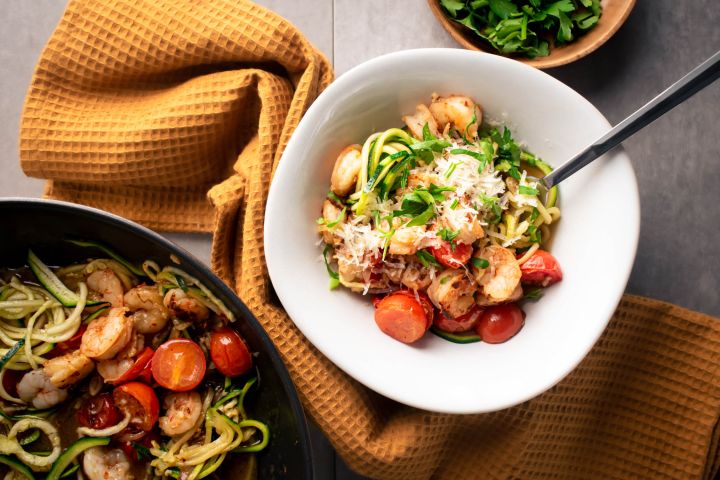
(148, 108)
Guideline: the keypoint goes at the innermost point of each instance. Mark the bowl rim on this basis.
(315, 114)
(216, 284)
(461, 35)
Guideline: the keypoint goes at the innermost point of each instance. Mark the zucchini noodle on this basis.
(41, 337)
(226, 429)
(446, 180)
(104, 432)
(9, 443)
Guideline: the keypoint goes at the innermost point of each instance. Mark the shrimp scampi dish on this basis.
(112, 371)
(443, 222)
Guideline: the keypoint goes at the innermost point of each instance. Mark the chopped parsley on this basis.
(533, 294)
(492, 204)
(534, 215)
(454, 204)
(525, 27)
(143, 452)
(477, 156)
(427, 259)
(535, 234)
(340, 218)
(480, 263)
(451, 169)
(334, 198)
(419, 205)
(334, 277)
(427, 135)
(524, 190)
(448, 235)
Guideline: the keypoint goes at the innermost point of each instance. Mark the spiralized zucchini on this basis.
(35, 319)
(226, 430)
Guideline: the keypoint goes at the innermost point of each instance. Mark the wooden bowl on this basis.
(614, 14)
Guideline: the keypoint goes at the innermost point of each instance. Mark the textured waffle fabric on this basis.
(174, 113)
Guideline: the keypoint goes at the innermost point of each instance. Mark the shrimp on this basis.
(406, 240)
(483, 301)
(330, 213)
(182, 412)
(466, 225)
(102, 463)
(418, 120)
(419, 179)
(149, 313)
(107, 335)
(185, 307)
(68, 369)
(416, 277)
(452, 292)
(108, 285)
(37, 388)
(346, 170)
(116, 367)
(499, 281)
(460, 111)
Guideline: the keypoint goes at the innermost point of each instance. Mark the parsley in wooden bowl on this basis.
(541, 33)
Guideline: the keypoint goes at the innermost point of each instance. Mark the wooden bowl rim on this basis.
(462, 36)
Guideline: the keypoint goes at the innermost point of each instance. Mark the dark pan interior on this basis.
(45, 225)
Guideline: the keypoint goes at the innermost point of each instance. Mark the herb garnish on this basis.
(334, 277)
(448, 235)
(524, 26)
(340, 218)
(427, 259)
(477, 156)
(480, 263)
(420, 204)
(533, 294)
(524, 190)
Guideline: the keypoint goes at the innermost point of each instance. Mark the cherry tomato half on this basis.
(500, 323)
(229, 352)
(98, 412)
(69, 345)
(452, 258)
(463, 323)
(141, 368)
(424, 302)
(402, 317)
(541, 269)
(139, 402)
(178, 365)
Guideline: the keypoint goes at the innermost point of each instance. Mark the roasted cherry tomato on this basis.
(139, 402)
(402, 317)
(424, 302)
(140, 369)
(463, 323)
(98, 412)
(229, 352)
(178, 365)
(69, 345)
(452, 258)
(541, 269)
(500, 323)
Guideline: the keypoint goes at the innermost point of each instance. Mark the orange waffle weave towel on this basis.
(148, 108)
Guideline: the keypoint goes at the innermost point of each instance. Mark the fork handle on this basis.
(699, 78)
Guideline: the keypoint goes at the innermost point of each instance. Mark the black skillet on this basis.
(45, 225)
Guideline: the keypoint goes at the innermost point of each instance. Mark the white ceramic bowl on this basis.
(595, 241)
